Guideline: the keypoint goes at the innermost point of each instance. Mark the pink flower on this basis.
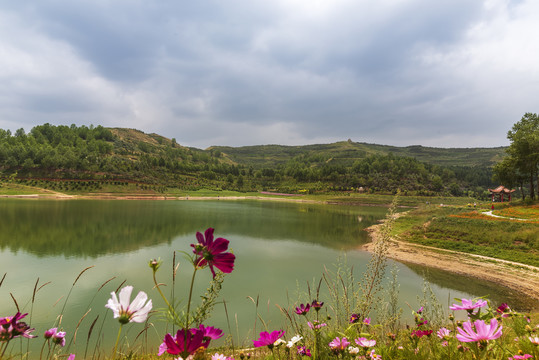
(443, 332)
(316, 325)
(339, 345)
(209, 333)
(483, 332)
(374, 356)
(268, 339)
(71, 357)
(367, 321)
(364, 342)
(303, 309)
(218, 356)
(469, 305)
(521, 357)
(212, 253)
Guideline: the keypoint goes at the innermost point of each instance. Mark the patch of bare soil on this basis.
(520, 277)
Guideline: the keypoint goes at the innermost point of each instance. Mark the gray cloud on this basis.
(445, 73)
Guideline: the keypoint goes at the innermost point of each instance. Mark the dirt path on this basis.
(520, 277)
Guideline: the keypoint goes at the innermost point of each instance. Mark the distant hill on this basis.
(346, 152)
(59, 153)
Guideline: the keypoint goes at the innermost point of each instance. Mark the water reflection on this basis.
(86, 228)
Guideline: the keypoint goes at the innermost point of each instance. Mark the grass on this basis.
(458, 228)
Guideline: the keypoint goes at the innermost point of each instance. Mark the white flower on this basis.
(279, 342)
(294, 340)
(353, 350)
(126, 312)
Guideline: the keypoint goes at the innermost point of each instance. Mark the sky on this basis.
(444, 73)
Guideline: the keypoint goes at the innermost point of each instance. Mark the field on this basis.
(472, 231)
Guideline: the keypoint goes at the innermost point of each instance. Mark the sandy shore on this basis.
(520, 277)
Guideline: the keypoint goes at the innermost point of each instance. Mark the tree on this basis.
(524, 148)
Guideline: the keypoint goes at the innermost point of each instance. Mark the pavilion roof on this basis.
(501, 189)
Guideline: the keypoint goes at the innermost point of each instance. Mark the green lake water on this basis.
(279, 248)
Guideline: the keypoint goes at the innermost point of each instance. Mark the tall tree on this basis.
(524, 148)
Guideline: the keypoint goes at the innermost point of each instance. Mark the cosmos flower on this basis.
(294, 340)
(421, 333)
(303, 351)
(354, 318)
(268, 339)
(365, 343)
(316, 325)
(127, 312)
(483, 332)
(212, 253)
(317, 305)
(11, 327)
(468, 305)
(185, 343)
(339, 345)
(443, 332)
(303, 309)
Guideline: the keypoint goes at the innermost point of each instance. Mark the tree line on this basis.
(96, 153)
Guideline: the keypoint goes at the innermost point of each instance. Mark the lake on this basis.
(280, 247)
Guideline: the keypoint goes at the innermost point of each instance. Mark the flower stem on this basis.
(170, 308)
(117, 340)
(189, 300)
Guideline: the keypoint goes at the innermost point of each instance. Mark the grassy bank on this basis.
(469, 229)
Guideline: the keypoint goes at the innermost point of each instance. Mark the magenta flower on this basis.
(483, 332)
(365, 343)
(303, 309)
(11, 327)
(354, 318)
(185, 343)
(339, 345)
(421, 333)
(268, 339)
(469, 305)
(71, 357)
(212, 253)
(209, 333)
(317, 305)
(367, 321)
(303, 351)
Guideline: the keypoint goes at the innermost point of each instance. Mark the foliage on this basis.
(523, 154)
(57, 156)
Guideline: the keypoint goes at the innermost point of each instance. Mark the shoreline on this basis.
(512, 275)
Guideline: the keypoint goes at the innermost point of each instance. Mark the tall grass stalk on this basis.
(371, 285)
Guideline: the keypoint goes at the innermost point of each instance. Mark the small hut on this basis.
(500, 191)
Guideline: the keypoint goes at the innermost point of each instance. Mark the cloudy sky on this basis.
(444, 73)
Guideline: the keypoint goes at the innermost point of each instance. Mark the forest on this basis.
(83, 156)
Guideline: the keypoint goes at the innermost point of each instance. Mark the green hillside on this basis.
(347, 152)
(75, 159)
